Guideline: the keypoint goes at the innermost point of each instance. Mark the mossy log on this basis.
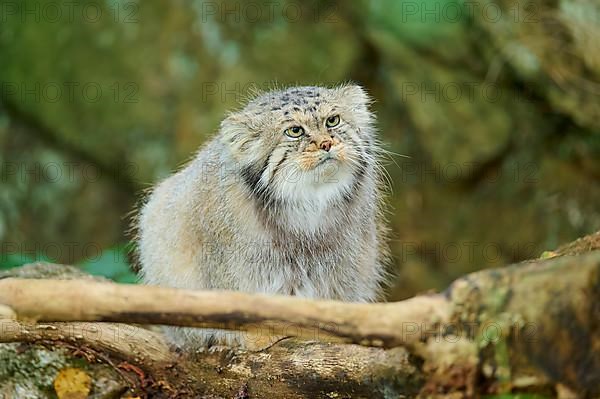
(530, 327)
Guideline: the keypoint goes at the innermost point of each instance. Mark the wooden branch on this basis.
(367, 324)
(122, 341)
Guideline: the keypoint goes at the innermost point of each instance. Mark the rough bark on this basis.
(490, 331)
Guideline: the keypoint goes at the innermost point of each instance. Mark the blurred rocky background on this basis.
(496, 104)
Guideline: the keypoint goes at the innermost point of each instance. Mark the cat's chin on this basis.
(309, 199)
(331, 172)
(326, 182)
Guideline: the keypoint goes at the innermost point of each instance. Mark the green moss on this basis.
(28, 371)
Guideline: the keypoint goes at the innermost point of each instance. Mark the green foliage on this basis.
(112, 263)
(8, 261)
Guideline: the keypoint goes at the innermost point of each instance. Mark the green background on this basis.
(497, 104)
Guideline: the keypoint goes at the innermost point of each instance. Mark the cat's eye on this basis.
(332, 121)
(294, 132)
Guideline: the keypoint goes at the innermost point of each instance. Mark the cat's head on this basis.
(303, 143)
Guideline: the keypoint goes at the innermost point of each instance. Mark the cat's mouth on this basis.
(326, 160)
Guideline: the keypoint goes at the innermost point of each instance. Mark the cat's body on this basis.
(261, 210)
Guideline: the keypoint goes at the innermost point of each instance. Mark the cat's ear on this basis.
(355, 100)
(238, 133)
(243, 119)
(355, 96)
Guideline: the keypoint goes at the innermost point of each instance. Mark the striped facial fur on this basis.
(304, 147)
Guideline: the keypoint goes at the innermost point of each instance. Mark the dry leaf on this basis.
(72, 383)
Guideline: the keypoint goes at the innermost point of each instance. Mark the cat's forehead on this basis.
(295, 98)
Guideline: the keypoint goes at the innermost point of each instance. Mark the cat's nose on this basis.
(326, 144)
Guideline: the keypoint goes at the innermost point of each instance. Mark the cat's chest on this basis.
(293, 253)
(290, 266)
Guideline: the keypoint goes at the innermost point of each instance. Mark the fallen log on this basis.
(530, 327)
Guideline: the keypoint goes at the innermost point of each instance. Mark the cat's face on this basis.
(303, 143)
